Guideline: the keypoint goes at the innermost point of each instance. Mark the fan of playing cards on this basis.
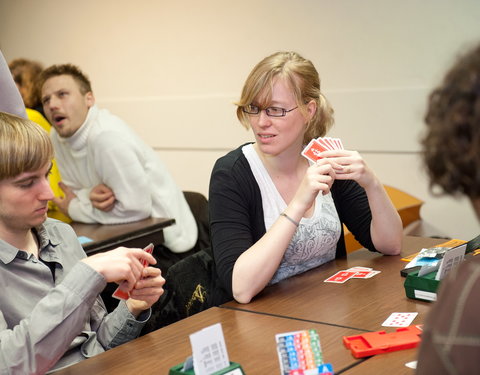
(316, 146)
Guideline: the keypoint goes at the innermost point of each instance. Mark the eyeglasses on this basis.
(270, 111)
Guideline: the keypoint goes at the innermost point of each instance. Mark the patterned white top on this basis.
(315, 240)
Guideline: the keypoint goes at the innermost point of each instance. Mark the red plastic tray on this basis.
(379, 342)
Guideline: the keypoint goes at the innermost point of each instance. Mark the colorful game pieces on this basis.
(300, 353)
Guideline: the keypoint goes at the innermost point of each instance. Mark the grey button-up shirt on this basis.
(51, 317)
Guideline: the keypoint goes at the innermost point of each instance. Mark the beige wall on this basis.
(172, 70)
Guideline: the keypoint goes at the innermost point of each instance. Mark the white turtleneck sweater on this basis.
(105, 150)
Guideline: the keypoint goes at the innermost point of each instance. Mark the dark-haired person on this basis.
(51, 315)
(273, 214)
(451, 145)
(25, 73)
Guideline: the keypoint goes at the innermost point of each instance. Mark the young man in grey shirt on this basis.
(50, 313)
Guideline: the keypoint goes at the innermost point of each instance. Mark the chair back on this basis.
(198, 204)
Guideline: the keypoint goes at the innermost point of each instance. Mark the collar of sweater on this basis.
(78, 141)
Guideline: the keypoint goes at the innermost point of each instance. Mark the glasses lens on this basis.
(275, 111)
(251, 109)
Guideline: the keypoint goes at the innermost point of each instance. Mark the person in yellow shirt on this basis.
(24, 73)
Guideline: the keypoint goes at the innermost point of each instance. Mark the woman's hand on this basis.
(318, 178)
(386, 227)
(349, 165)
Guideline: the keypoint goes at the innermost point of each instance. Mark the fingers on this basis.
(57, 200)
(65, 188)
(62, 186)
(348, 165)
(121, 265)
(149, 288)
(68, 192)
(102, 198)
(62, 204)
(151, 283)
(342, 170)
(319, 177)
(143, 255)
(103, 204)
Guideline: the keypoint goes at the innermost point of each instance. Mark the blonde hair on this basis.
(24, 146)
(304, 81)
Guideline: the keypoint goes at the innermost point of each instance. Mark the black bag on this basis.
(191, 286)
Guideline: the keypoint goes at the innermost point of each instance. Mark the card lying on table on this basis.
(400, 319)
(340, 277)
(356, 272)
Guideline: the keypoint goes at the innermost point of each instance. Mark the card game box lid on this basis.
(372, 343)
(421, 287)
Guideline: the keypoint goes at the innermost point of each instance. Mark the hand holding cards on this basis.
(316, 146)
(120, 294)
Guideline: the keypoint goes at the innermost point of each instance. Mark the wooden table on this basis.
(301, 302)
(389, 363)
(250, 341)
(135, 234)
(358, 303)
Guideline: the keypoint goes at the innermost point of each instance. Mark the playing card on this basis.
(340, 277)
(331, 142)
(359, 269)
(365, 274)
(322, 141)
(148, 249)
(312, 150)
(339, 143)
(120, 294)
(399, 319)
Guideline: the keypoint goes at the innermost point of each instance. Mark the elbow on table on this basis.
(394, 251)
(392, 248)
(242, 297)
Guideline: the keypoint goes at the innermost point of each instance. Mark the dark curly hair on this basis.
(451, 144)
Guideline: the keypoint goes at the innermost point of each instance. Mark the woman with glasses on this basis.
(274, 214)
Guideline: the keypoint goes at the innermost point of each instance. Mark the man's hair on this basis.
(451, 143)
(303, 79)
(70, 70)
(24, 146)
(25, 74)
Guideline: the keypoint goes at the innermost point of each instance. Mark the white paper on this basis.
(451, 259)
(209, 350)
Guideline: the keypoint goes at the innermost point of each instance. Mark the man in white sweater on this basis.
(109, 175)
